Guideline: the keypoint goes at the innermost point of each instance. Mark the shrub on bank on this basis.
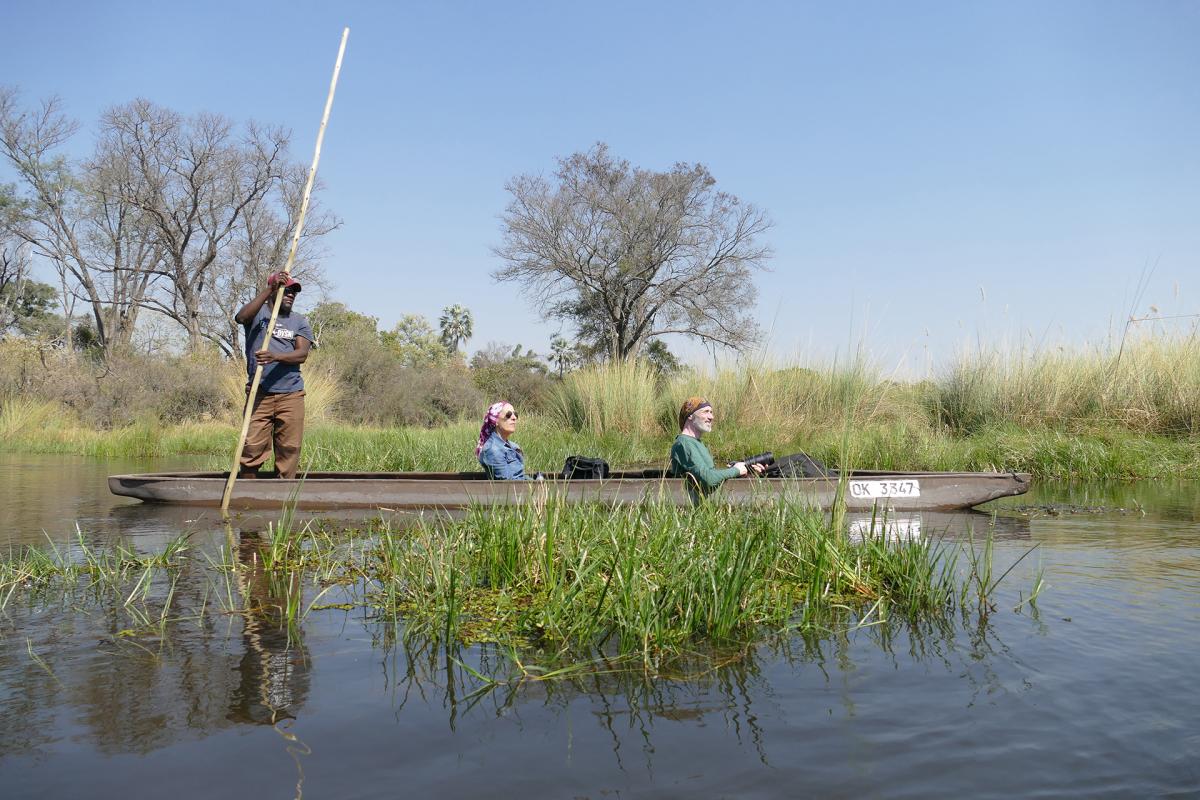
(374, 388)
(504, 373)
(360, 383)
(124, 389)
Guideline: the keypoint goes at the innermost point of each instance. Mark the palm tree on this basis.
(457, 326)
(561, 354)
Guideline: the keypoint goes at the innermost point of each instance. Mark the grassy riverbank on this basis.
(1134, 413)
(1046, 452)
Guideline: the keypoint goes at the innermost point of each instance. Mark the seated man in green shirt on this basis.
(690, 457)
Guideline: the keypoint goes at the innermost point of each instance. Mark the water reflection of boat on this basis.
(900, 526)
(864, 490)
(140, 520)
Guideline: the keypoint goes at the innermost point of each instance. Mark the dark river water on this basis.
(1092, 693)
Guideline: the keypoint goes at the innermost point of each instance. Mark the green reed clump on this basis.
(646, 582)
(648, 578)
(117, 569)
(622, 397)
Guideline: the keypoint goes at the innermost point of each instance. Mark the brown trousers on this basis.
(277, 419)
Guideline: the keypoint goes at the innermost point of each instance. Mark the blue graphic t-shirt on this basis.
(276, 378)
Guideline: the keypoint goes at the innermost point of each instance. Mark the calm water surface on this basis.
(1091, 694)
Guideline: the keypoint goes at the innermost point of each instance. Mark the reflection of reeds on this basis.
(41, 662)
(112, 567)
(142, 586)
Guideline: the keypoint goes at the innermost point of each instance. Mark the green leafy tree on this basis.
(510, 373)
(415, 343)
(664, 362)
(457, 326)
(336, 319)
(27, 309)
(24, 303)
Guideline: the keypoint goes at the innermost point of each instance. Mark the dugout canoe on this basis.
(900, 491)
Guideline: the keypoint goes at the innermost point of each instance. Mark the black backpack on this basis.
(798, 465)
(584, 468)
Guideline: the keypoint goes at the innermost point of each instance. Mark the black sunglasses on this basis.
(510, 415)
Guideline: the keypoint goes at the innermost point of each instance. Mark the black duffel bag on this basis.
(798, 465)
(583, 468)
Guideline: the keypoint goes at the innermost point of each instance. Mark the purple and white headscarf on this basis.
(489, 424)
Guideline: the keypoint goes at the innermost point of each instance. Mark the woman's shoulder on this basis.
(494, 443)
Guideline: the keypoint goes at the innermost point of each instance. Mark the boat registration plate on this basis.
(872, 489)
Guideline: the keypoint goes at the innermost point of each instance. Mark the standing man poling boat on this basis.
(278, 419)
(690, 458)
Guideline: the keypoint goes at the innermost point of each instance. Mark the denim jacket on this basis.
(501, 460)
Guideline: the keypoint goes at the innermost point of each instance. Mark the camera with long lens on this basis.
(766, 459)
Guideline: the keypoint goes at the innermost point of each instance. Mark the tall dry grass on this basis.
(23, 416)
(795, 400)
(630, 398)
(1149, 386)
(1060, 413)
(321, 391)
(622, 397)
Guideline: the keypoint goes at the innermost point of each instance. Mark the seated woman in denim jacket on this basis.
(500, 458)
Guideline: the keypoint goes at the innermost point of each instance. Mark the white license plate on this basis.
(868, 490)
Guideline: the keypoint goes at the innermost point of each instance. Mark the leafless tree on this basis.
(75, 218)
(260, 246)
(14, 272)
(123, 239)
(627, 254)
(177, 215)
(194, 179)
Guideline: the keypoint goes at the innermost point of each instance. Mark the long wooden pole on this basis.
(312, 175)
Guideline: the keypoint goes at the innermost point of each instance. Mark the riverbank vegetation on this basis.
(642, 582)
(1060, 414)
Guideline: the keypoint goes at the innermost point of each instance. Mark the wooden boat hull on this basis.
(900, 491)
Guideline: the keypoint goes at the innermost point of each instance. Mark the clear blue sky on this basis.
(939, 174)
